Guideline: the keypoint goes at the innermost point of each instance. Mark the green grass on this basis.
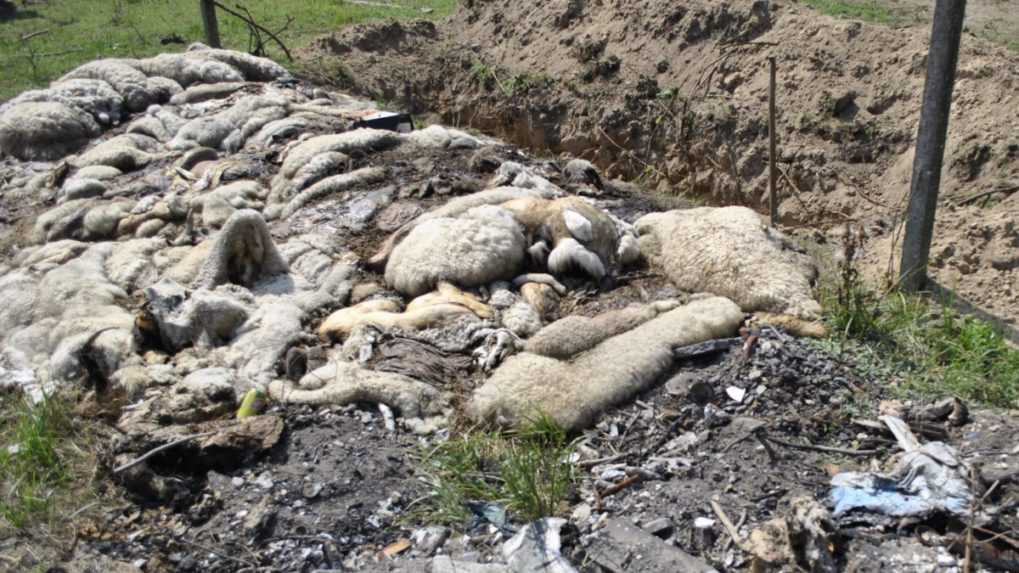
(938, 351)
(78, 31)
(529, 473)
(37, 472)
(866, 10)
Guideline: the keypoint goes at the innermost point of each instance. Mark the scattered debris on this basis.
(927, 479)
(621, 547)
(536, 547)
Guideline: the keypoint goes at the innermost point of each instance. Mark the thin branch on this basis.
(827, 449)
(219, 552)
(729, 527)
(164, 447)
(31, 35)
(974, 198)
(255, 26)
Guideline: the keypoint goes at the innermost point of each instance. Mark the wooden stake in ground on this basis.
(772, 143)
(942, 57)
(210, 23)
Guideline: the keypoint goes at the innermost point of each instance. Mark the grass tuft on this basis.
(33, 465)
(529, 472)
(939, 351)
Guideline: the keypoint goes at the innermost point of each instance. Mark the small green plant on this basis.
(667, 94)
(486, 75)
(852, 309)
(480, 71)
(528, 472)
(32, 466)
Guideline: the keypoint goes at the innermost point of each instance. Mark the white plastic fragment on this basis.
(703, 523)
(736, 393)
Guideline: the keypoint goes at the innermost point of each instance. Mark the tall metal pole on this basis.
(942, 58)
(772, 144)
(210, 23)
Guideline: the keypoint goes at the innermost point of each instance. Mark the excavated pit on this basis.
(675, 99)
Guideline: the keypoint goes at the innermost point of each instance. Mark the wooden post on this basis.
(772, 144)
(210, 23)
(942, 57)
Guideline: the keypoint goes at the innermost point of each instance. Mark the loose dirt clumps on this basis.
(677, 97)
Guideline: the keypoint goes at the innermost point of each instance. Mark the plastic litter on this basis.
(927, 479)
(537, 547)
(485, 512)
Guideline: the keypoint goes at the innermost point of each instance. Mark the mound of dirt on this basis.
(676, 96)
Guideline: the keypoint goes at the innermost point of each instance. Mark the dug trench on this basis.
(383, 301)
(675, 99)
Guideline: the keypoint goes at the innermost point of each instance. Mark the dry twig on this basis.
(974, 198)
(164, 447)
(256, 28)
(812, 447)
(625, 483)
(729, 527)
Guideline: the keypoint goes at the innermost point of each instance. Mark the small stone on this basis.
(687, 385)
(311, 490)
(660, 527)
(715, 417)
(429, 539)
(261, 519)
(581, 513)
(237, 481)
(945, 560)
(264, 480)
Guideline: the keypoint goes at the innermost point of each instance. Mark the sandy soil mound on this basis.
(676, 95)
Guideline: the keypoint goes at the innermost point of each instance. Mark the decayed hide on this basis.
(729, 252)
(426, 311)
(575, 392)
